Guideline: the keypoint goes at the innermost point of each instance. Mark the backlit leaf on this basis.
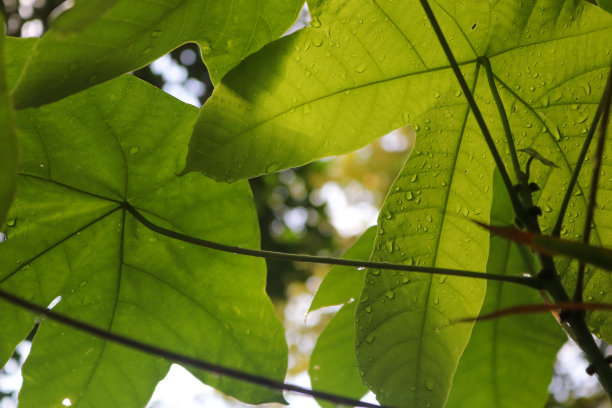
(71, 236)
(129, 34)
(502, 348)
(8, 142)
(332, 365)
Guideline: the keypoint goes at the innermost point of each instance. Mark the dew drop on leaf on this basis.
(370, 338)
(205, 48)
(429, 384)
(360, 68)
(133, 150)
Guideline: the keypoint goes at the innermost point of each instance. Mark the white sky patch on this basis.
(302, 21)
(33, 28)
(351, 211)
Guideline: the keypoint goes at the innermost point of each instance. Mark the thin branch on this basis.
(585, 148)
(516, 203)
(536, 308)
(179, 358)
(260, 253)
(520, 176)
(601, 140)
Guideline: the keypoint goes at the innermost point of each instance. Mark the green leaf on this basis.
(605, 4)
(129, 34)
(332, 364)
(343, 283)
(365, 68)
(8, 141)
(71, 236)
(501, 348)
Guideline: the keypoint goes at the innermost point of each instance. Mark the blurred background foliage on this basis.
(320, 208)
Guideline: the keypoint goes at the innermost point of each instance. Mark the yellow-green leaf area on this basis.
(8, 141)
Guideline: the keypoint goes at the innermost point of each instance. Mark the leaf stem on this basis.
(520, 176)
(516, 203)
(601, 140)
(179, 358)
(585, 148)
(581, 333)
(531, 282)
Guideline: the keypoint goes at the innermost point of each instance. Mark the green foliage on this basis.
(104, 141)
(70, 235)
(121, 37)
(332, 366)
(499, 350)
(8, 143)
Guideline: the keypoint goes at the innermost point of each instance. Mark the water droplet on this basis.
(370, 338)
(360, 68)
(2, 237)
(375, 272)
(11, 223)
(364, 298)
(368, 309)
(134, 150)
(315, 22)
(82, 284)
(360, 268)
(205, 48)
(317, 42)
(272, 168)
(156, 33)
(413, 178)
(390, 295)
(429, 384)
(437, 95)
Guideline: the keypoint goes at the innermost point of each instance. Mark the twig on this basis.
(260, 253)
(536, 308)
(601, 140)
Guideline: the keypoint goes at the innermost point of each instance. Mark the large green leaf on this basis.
(70, 235)
(332, 365)
(501, 351)
(407, 351)
(92, 44)
(364, 68)
(8, 141)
